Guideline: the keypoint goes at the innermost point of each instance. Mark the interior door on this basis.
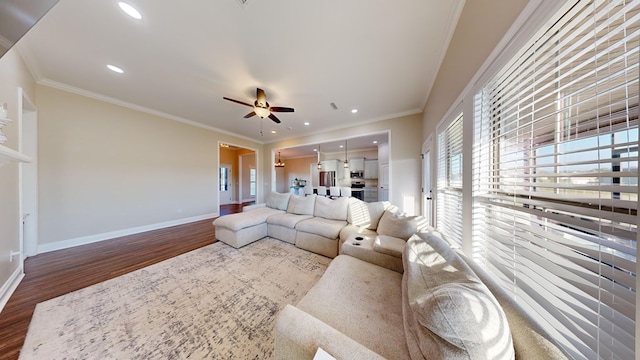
(383, 178)
(225, 182)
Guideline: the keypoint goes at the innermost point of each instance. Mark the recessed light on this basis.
(375, 141)
(130, 10)
(273, 131)
(341, 146)
(353, 111)
(115, 69)
(306, 123)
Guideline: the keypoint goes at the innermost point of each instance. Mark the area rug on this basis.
(216, 302)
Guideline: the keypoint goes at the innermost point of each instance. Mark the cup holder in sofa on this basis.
(359, 238)
(356, 244)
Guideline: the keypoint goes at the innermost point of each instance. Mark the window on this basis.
(555, 177)
(449, 185)
(252, 182)
(224, 179)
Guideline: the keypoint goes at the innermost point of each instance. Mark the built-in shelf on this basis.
(7, 155)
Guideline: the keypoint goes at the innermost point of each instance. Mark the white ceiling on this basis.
(380, 57)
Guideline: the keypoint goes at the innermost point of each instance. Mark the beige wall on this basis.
(481, 26)
(13, 74)
(105, 168)
(405, 142)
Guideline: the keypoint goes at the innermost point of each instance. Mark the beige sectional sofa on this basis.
(321, 225)
(396, 288)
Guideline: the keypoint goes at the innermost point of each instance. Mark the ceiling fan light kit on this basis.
(261, 107)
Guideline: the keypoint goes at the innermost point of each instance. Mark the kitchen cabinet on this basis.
(334, 165)
(329, 165)
(370, 194)
(356, 164)
(371, 169)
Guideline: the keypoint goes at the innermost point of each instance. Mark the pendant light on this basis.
(279, 163)
(319, 163)
(346, 161)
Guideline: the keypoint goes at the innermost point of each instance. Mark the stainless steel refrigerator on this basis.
(327, 178)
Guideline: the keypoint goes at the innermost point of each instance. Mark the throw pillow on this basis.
(366, 215)
(278, 201)
(302, 205)
(448, 312)
(392, 224)
(332, 209)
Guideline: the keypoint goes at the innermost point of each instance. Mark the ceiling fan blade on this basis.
(261, 98)
(274, 118)
(238, 101)
(281, 109)
(253, 113)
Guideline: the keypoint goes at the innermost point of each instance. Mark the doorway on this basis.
(237, 174)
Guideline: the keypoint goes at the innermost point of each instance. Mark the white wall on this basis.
(106, 169)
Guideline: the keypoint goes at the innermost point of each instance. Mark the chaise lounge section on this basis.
(438, 308)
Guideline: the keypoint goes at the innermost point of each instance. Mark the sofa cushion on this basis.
(448, 312)
(365, 214)
(400, 226)
(244, 220)
(362, 301)
(321, 226)
(302, 205)
(389, 245)
(278, 201)
(335, 209)
(286, 220)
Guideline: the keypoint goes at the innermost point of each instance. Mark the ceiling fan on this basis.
(261, 107)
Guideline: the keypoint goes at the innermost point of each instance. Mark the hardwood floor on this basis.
(57, 273)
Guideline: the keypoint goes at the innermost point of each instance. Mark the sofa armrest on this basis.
(253, 207)
(299, 335)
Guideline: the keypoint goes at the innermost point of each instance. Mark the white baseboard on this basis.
(83, 240)
(10, 286)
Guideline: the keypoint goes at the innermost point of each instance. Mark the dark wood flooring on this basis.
(57, 273)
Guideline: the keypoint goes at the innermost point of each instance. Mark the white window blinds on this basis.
(449, 185)
(555, 163)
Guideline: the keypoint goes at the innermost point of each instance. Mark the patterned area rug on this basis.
(216, 302)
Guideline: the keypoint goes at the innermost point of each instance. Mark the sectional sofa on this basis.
(321, 225)
(436, 304)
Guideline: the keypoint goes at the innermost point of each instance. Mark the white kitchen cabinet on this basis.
(334, 165)
(329, 165)
(371, 169)
(370, 194)
(356, 164)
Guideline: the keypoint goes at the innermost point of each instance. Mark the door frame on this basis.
(28, 175)
(427, 180)
(217, 170)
